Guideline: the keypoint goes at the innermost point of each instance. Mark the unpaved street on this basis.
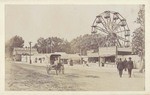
(26, 77)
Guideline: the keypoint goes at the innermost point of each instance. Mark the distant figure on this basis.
(130, 66)
(36, 60)
(40, 60)
(125, 64)
(85, 63)
(81, 61)
(71, 62)
(120, 67)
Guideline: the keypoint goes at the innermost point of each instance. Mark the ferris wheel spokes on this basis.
(113, 25)
(101, 29)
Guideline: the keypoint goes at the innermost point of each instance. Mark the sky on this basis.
(65, 21)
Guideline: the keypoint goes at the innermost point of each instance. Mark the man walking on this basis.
(130, 66)
(125, 64)
(120, 67)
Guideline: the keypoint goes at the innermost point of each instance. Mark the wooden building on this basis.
(110, 54)
(19, 52)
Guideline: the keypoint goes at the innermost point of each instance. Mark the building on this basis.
(18, 53)
(66, 58)
(93, 57)
(110, 54)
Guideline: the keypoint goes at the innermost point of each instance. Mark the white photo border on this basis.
(75, 2)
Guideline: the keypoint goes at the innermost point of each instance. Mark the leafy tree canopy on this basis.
(15, 41)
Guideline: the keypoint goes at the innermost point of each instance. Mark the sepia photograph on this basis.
(66, 47)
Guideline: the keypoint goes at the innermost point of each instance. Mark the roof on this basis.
(24, 51)
(45, 54)
(93, 55)
(74, 56)
(107, 55)
(64, 55)
(84, 56)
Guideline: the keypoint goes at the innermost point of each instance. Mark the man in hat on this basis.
(120, 67)
(125, 64)
(130, 66)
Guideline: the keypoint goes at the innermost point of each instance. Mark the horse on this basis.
(59, 67)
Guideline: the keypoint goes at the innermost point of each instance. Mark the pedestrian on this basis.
(120, 67)
(130, 66)
(71, 62)
(125, 64)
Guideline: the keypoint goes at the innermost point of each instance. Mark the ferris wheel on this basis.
(114, 28)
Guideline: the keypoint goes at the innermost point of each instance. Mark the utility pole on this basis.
(51, 45)
(30, 52)
(26, 54)
(99, 63)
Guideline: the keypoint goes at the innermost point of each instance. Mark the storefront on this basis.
(110, 54)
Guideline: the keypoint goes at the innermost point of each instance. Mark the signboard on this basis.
(107, 51)
(125, 49)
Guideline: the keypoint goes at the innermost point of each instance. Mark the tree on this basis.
(86, 42)
(138, 41)
(41, 45)
(15, 41)
(52, 44)
(65, 46)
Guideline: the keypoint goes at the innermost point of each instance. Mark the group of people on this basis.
(125, 65)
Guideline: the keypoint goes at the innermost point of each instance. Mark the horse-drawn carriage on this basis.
(54, 63)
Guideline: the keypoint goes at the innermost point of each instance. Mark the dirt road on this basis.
(26, 77)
